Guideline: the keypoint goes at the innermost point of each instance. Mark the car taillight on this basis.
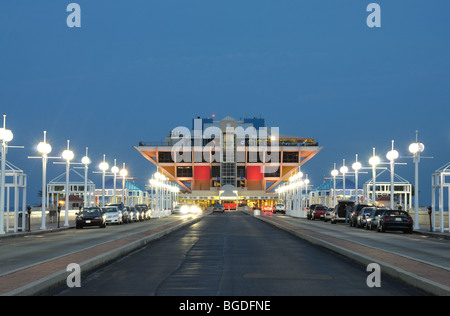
(387, 218)
(409, 219)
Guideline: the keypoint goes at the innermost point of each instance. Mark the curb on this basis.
(395, 272)
(59, 278)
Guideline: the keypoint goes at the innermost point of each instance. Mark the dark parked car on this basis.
(90, 216)
(355, 213)
(144, 209)
(364, 214)
(372, 219)
(311, 210)
(395, 220)
(319, 212)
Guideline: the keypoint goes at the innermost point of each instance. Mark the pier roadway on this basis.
(33, 263)
(421, 259)
(233, 254)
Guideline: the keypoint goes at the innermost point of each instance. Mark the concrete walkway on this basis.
(43, 275)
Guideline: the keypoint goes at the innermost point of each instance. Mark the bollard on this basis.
(29, 218)
(429, 215)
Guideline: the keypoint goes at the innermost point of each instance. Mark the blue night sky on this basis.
(136, 69)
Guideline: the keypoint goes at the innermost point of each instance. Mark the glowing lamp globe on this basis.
(374, 160)
(67, 155)
(356, 166)
(103, 166)
(85, 160)
(6, 135)
(123, 172)
(114, 169)
(415, 148)
(44, 148)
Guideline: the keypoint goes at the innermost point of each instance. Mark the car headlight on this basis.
(195, 209)
(184, 209)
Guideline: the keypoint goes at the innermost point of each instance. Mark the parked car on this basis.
(113, 215)
(310, 210)
(395, 220)
(364, 214)
(372, 219)
(90, 216)
(341, 211)
(355, 213)
(218, 208)
(268, 208)
(327, 215)
(280, 208)
(144, 209)
(125, 212)
(318, 212)
(134, 214)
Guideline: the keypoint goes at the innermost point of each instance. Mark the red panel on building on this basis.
(202, 173)
(254, 173)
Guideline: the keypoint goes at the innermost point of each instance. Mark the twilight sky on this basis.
(136, 69)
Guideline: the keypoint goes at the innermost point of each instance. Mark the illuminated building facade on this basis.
(239, 161)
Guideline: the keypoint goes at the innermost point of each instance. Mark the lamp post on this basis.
(6, 136)
(67, 155)
(334, 174)
(356, 166)
(103, 167)
(392, 155)
(374, 161)
(416, 148)
(123, 174)
(343, 170)
(86, 162)
(44, 148)
(114, 170)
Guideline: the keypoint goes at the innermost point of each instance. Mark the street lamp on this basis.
(334, 174)
(356, 166)
(6, 136)
(123, 174)
(67, 155)
(374, 161)
(343, 170)
(392, 155)
(86, 161)
(114, 170)
(103, 166)
(416, 148)
(44, 148)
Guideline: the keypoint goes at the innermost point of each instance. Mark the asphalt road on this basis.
(232, 254)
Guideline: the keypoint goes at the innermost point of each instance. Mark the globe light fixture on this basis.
(416, 149)
(334, 174)
(374, 161)
(392, 155)
(67, 155)
(86, 161)
(356, 166)
(123, 173)
(103, 167)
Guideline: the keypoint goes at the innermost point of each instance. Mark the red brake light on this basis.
(387, 218)
(409, 219)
